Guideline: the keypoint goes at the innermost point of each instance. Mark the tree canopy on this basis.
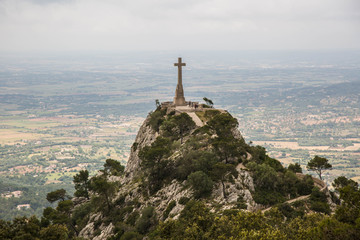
(113, 167)
(82, 184)
(296, 168)
(208, 101)
(56, 195)
(319, 165)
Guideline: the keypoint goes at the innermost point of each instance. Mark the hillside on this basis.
(199, 179)
(174, 162)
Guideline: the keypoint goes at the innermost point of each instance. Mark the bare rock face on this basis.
(88, 231)
(106, 231)
(172, 192)
(241, 187)
(236, 133)
(145, 136)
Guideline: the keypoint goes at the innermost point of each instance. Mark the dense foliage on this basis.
(198, 222)
(273, 183)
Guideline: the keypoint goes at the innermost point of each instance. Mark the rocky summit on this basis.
(183, 156)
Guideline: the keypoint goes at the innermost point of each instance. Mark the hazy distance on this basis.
(90, 25)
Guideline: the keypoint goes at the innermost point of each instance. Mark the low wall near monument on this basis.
(189, 106)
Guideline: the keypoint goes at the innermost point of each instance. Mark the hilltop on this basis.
(175, 162)
(199, 179)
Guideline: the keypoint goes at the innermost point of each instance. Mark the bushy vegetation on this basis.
(156, 119)
(201, 184)
(203, 160)
(171, 205)
(197, 222)
(177, 126)
(273, 183)
(296, 168)
(318, 201)
(156, 164)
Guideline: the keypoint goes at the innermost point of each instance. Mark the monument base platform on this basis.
(179, 101)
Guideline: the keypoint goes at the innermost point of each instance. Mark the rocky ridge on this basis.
(134, 195)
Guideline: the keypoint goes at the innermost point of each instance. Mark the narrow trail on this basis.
(196, 119)
(191, 112)
(317, 183)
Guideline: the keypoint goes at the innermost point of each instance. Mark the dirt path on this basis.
(317, 183)
(196, 119)
(289, 201)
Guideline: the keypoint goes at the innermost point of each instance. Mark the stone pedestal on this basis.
(179, 99)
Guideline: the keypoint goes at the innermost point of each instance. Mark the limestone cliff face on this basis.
(145, 136)
(243, 184)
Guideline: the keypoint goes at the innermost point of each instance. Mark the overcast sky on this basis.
(93, 25)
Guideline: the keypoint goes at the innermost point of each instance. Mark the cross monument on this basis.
(179, 99)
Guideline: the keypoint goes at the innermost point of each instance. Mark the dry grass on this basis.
(289, 145)
(13, 136)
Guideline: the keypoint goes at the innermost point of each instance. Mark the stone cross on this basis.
(179, 99)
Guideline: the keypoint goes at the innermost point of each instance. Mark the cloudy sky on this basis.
(85, 25)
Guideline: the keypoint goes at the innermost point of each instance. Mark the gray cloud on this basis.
(41, 25)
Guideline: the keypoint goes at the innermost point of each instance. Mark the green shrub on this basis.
(97, 232)
(205, 106)
(289, 212)
(131, 236)
(318, 201)
(121, 213)
(193, 161)
(134, 146)
(202, 130)
(132, 218)
(183, 200)
(113, 167)
(275, 164)
(97, 224)
(81, 215)
(211, 113)
(146, 220)
(120, 201)
(268, 198)
(120, 229)
(241, 203)
(201, 183)
(178, 126)
(156, 119)
(320, 207)
(296, 168)
(171, 205)
(305, 185)
(155, 162)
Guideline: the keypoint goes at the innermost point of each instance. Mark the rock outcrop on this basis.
(145, 136)
(131, 189)
(234, 188)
